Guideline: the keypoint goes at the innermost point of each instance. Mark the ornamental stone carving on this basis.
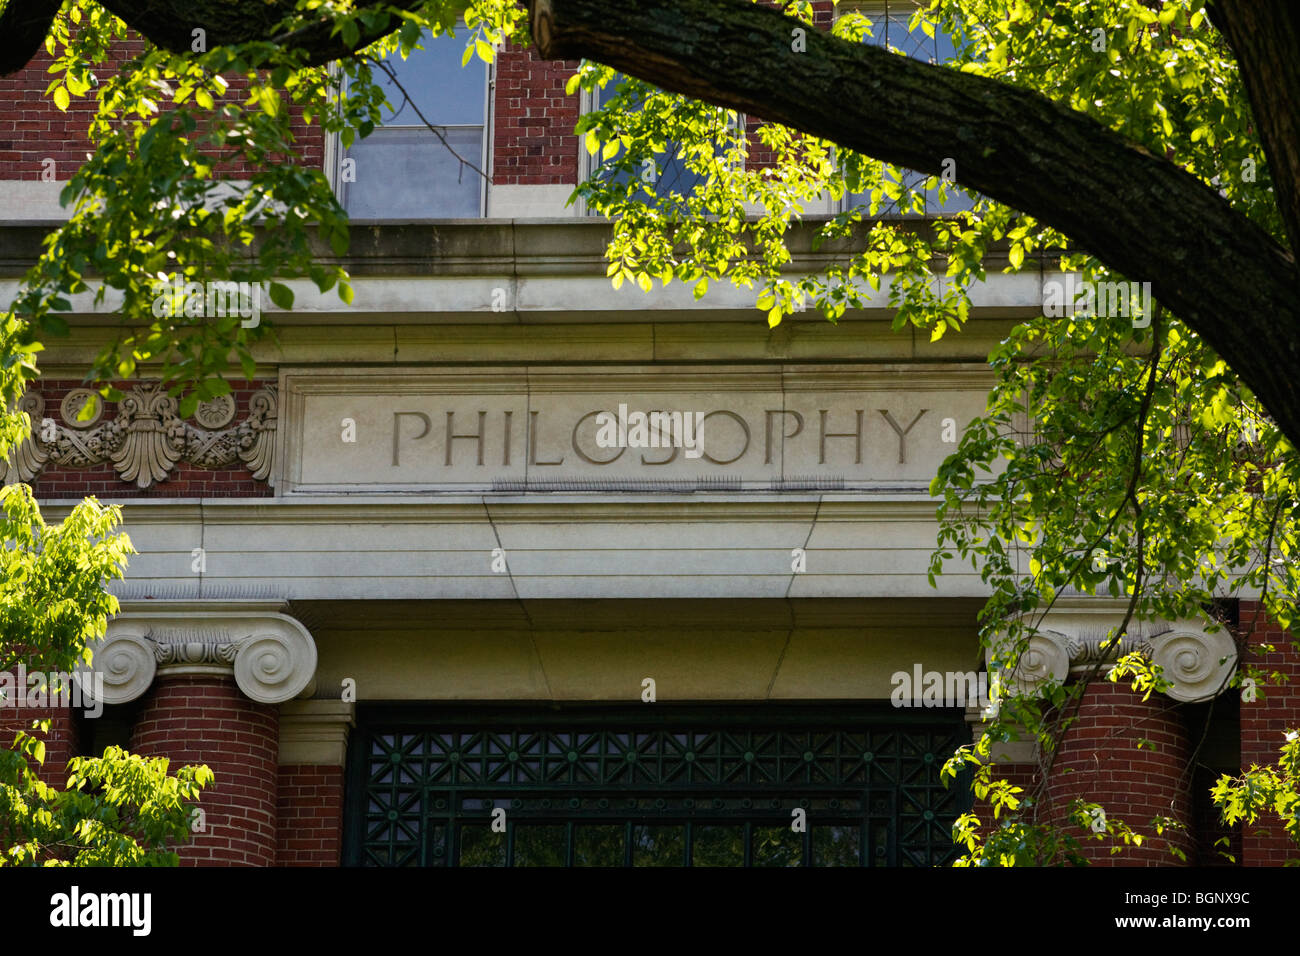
(271, 656)
(147, 437)
(1073, 643)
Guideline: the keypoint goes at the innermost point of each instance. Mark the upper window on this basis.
(890, 23)
(666, 173)
(890, 28)
(405, 170)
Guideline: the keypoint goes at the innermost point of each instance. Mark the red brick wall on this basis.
(33, 129)
(206, 720)
(1274, 712)
(310, 816)
(1099, 759)
(185, 480)
(533, 121)
(62, 743)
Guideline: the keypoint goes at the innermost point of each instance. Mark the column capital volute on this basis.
(1071, 641)
(271, 655)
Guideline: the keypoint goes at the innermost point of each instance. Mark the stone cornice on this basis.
(469, 247)
(888, 506)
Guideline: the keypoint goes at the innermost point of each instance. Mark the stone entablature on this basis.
(765, 428)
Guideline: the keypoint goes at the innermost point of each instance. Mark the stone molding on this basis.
(315, 732)
(147, 438)
(271, 656)
(1069, 643)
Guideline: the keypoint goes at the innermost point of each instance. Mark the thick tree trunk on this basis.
(1139, 214)
(1265, 35)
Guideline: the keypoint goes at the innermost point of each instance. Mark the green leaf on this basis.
(282, 296)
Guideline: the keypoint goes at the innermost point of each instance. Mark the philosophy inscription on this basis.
(548, 429)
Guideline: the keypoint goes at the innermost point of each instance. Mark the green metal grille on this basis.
(626, 789)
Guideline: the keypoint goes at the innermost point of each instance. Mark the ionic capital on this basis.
(271, 656)
(1072, 642)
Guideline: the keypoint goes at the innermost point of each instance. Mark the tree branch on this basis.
(170, 24)
(1265, 35)
(1139, 214)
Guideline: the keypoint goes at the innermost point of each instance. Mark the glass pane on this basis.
(668, 173)
(410, 174)
(539, 846)
(889, 22)
(443, 90)
(598, 846)
(889, 27)
(718, 846)
(777, 846)
(835, 846)
(480, 846)
(658, 845)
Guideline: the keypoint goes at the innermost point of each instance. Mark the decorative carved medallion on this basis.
(216, 412)
(147, 438)
(74, 402)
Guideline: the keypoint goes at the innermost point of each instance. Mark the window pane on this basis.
(444, 91)
(659, 846)
(889, 24)
(777, 846)
(403, 170)
(409, 174)
(668, 173)
(598, 846)
(718, 846)
(539, 845)
(481, 846)
(836, 846)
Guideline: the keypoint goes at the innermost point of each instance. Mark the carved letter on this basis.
(902, 432)
(744, 426)
(478, 435)
(582, 454)
(798, 427)
(533, 429)
(856, 435)
(397, 431)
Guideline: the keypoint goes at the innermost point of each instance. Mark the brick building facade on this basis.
(377, 643)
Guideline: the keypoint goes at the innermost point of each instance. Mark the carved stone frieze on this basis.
(147, 437)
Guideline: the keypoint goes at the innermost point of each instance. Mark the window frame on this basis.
(336, 154)
(878, 12)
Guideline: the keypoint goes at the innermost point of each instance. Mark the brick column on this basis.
(1275, 711)
(1099, 759)
(204, 719)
